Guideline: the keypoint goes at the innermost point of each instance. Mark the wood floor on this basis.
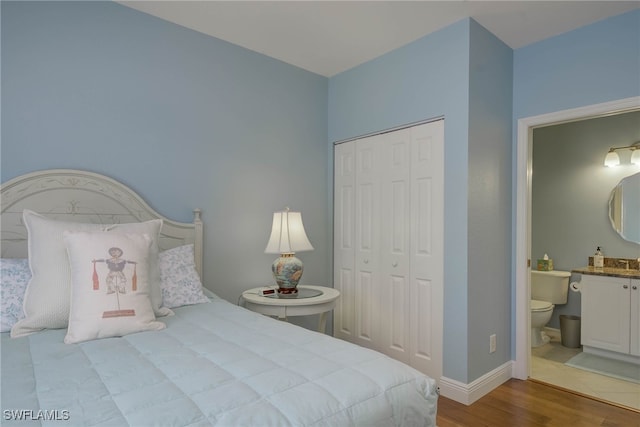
(519, 403)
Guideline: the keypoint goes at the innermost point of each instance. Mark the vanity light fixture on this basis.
(613, 159)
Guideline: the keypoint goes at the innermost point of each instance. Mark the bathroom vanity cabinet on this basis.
(611, 316)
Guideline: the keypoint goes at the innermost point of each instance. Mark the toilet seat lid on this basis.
(537, 305)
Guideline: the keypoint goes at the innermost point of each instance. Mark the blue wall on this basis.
(489, 200)
(593, 64)
(185, 119)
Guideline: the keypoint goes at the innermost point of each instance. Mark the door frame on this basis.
(524, 148)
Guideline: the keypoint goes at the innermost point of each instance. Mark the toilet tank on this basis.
(551, 286)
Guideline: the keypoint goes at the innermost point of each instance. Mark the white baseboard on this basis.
(629, 358)
(469, 393)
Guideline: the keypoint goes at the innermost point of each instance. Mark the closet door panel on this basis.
(344, 240)
(364, 311)
(396, 344)
(422, 345)
(427, 247)
(398, 219)
(344, 313)
(367, 239)
(366, 218)
(395, 243)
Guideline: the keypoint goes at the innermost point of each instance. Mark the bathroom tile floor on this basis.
(547, 365)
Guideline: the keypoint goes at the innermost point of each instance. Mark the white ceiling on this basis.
(328, 37)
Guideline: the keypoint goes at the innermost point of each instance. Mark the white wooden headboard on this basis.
(80, 196)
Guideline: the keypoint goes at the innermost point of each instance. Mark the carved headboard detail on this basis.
(80, 196)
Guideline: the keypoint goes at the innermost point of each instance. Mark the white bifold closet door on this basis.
(388, 244)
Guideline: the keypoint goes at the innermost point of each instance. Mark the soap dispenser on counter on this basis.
(598, 258)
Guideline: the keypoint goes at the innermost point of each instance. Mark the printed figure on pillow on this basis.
(116, 280)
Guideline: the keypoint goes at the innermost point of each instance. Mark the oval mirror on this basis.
(624, 208)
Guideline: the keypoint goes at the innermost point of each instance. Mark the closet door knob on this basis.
(634, 287)
(625, 286)
(366, 261)
(394, 264)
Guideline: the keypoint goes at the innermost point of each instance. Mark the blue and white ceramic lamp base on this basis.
(287, 271)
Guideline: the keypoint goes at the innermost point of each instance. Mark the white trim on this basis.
(523, 210)
(389, 130)
(629, 358)
(469, 393)
(82, 196)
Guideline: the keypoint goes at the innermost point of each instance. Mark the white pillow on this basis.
(179, 279)
(15, 276)
(46, 301)
(109, 285)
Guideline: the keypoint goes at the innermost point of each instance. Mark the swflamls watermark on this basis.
(36, 415)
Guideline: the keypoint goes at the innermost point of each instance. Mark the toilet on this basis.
(547, 289)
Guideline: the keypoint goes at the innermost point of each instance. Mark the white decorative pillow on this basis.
(179, 279)
(109, 285)
(46, 301)
(15, 276)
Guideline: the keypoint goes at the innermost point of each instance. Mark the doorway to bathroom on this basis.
(548, 135)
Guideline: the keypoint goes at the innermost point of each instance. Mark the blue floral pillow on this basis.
(15, 275)
(179, 280)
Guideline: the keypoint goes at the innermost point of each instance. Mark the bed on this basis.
(191, 359)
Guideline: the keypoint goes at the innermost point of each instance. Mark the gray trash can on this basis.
(570, 330)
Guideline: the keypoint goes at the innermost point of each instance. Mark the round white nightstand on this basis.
(323, 300)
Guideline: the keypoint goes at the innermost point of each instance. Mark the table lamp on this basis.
(287, 238)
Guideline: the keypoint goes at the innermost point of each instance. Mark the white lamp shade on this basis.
(635, 157)
(287, 234)
(612, 159)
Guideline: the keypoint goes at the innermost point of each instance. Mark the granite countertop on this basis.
(608, 271)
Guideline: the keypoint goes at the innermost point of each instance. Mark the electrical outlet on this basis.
(492, 343)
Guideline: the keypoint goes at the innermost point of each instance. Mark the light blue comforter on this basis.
(214, 365)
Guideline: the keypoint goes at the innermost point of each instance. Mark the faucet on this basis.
(624, 262)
